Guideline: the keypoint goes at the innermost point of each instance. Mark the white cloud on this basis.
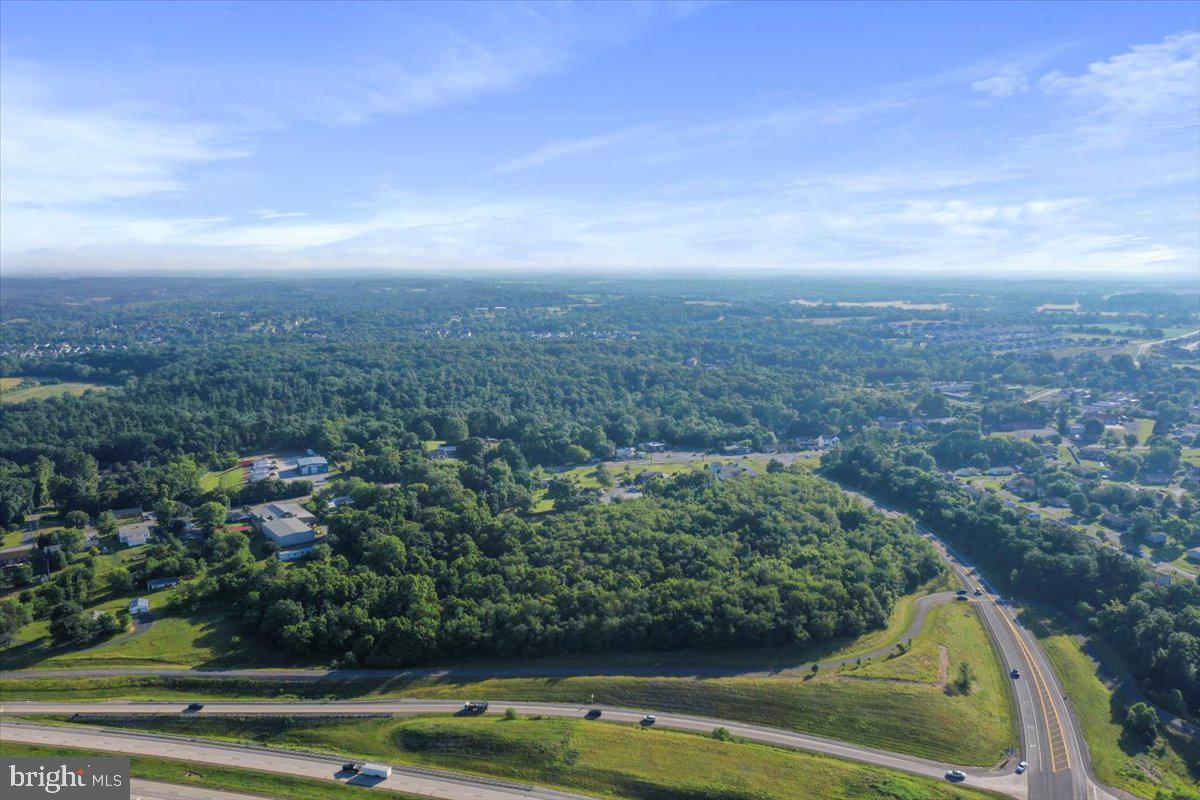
(270, 213)
(1011, 79)
(55, 155)
(1160, 79)
(555, 151)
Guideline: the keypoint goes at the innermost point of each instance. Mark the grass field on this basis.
(596, 758)
(230, 779)
(1145, 427)
(229, 480)
(1117, 759)
(48, 390)
(912, 715)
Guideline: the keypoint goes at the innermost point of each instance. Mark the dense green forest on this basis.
(427, 571)
(526, 378)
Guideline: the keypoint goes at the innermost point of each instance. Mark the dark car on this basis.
(352, 766)
(475, 707)
(956, 775)
(1016, 673)
(593, 713)
(195, 706)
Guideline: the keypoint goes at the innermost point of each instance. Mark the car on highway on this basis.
(979, 592)
(1024, 765)
(353, 766)
(649, 719)
(475, 706)
(195, 706)
(1014, 673)
(956, 775)
(593, 713)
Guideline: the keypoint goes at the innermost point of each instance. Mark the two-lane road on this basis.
(1051, 740)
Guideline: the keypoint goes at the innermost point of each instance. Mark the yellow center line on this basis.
(1043, 695)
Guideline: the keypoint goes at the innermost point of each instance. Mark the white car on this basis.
(1024, 765)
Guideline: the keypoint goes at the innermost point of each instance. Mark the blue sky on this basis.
(1000, 139)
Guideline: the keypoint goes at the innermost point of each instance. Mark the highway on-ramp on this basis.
(411, 780)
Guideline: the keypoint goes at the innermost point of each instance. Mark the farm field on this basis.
(593, 757)
(15, 395)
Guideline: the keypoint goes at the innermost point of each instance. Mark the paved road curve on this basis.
(430, 783)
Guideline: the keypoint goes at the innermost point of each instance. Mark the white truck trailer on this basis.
(376, 770)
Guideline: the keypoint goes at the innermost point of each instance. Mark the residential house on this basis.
(443, 451)
(1114, 521)
(17, 554)
(1156, 478)
(128, 513)
(651, 447)
(134, 535)
(139, 606)
(1156, 537)
(627, 453)
(154, 584)
(1193, 555)
(726, 471)
(998, 471)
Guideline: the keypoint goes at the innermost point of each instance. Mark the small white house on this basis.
(139, 606)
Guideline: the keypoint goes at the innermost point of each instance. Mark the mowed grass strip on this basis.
(1118, 759)
(229, 480)
(592, 757)
(232, 779)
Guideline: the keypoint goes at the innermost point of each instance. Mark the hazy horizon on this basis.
(906, 140)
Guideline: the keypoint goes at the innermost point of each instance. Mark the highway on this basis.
(1005, 781)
